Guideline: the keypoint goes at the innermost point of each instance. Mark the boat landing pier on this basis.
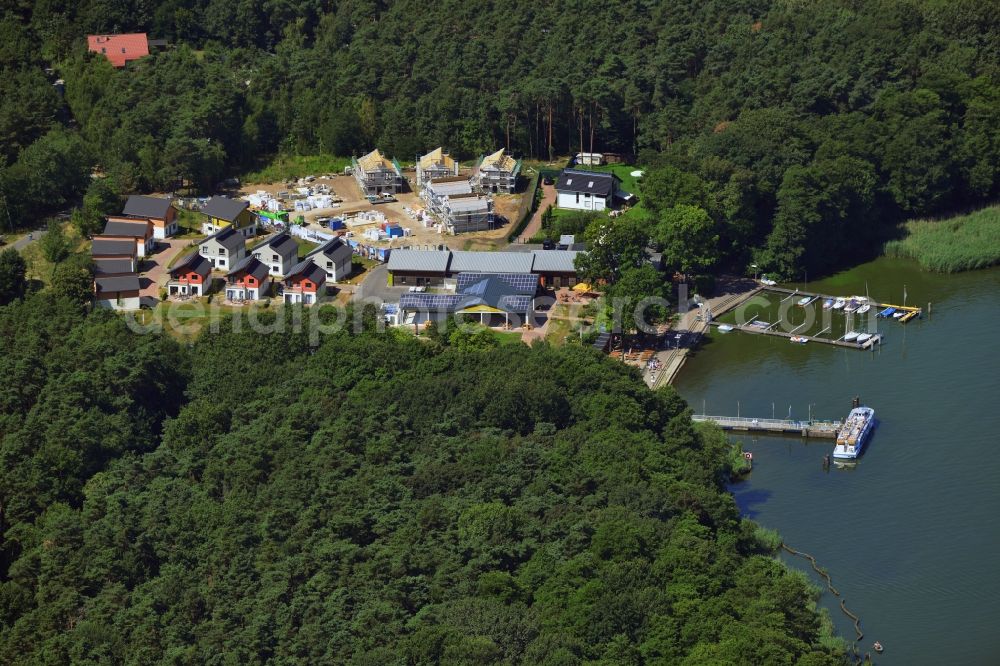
(812, 429)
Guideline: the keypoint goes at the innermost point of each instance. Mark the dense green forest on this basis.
(376, 499)
(805, 131)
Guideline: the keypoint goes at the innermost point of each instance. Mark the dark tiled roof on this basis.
(309, 270)
(228, 238)
(587, 182)
(251, 266)
(120, 283)
(102, 247)
(193, 263)
(135, 229)
(224, 208)
(139, 205)
(282, 243)
(335, 249)
(112, 266)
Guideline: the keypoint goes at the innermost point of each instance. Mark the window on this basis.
(123, 50)
(274, 257)
(222, 251)
(204, 249)
(578, 197)
(104, 50)
(329, 264)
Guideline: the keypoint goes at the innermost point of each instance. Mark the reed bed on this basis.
(952, 245)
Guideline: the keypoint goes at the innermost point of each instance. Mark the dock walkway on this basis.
(818, 429)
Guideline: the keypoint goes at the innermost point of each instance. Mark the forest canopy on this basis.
(373, 500)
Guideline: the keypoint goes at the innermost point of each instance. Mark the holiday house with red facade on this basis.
(305, 283)
(190, 277)
(250, 280)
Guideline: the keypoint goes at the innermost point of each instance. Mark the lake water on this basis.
(911, 534)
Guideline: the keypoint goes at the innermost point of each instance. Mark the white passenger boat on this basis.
(854, 433)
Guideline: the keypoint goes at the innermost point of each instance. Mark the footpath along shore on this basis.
(688, 330)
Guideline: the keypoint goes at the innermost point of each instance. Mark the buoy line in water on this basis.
(843, 607)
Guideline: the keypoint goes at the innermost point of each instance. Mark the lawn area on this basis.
(39, 268)
(305, 246)
(188, 223)
(962, 243)
(508, 337)
(630, 183)
(288, 167)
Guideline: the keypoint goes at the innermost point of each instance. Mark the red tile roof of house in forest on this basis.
(119, 49)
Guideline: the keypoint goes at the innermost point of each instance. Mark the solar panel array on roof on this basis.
(419, 301)
(522, 283)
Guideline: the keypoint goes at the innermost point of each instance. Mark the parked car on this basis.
(547, 180)
(548, 245)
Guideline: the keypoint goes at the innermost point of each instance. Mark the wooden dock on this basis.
(839, 342)
(812, 429)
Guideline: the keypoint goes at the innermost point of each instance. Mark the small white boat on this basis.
(839, 304)
(897, 314)
(852, 305)
(805, 300)
(767, 282)
(864, 308)
(851, 336)
(725, 328)
(864, 337)
(798, 339)
(827, 304)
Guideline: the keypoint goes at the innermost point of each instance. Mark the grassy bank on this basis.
(956, 244)
(287, 167)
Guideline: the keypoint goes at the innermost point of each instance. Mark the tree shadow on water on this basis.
(749, 499)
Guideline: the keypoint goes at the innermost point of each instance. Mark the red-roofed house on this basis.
(119, 49)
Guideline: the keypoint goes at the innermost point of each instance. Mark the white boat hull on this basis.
(848, 451)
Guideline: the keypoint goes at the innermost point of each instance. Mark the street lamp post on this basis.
(754, 267)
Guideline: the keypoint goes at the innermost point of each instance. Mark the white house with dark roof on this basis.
(586, 190)
(159, 211)
(334, 257)
(434, 165)
(376, 173)
(279, 253)
(223, 249)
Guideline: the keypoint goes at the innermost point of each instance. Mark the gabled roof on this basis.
(481, 290)
(374, 161)
(334, 249)
(137, 229)
(139, 205)
(224, 208)
(119, 49)
(250, 265)
(307, 269)
(228, 238)
(554, 261)
(116, 284)
(499, 161)
(437, 157)
(104, 247)
(587, 182)
(431, 261)
(193, 263)
(282, 243)
(112, 266)
(490, 262)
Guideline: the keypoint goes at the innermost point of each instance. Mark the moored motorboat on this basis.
(852, 435)
(864, 337)
(878, 647)
(827, 304)
(852, 305)
(839, 304)
(888, 312)
(851, 336)
(864, 308)
(799, 339)
(897, 314)
(725, 328)
(805, 300)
